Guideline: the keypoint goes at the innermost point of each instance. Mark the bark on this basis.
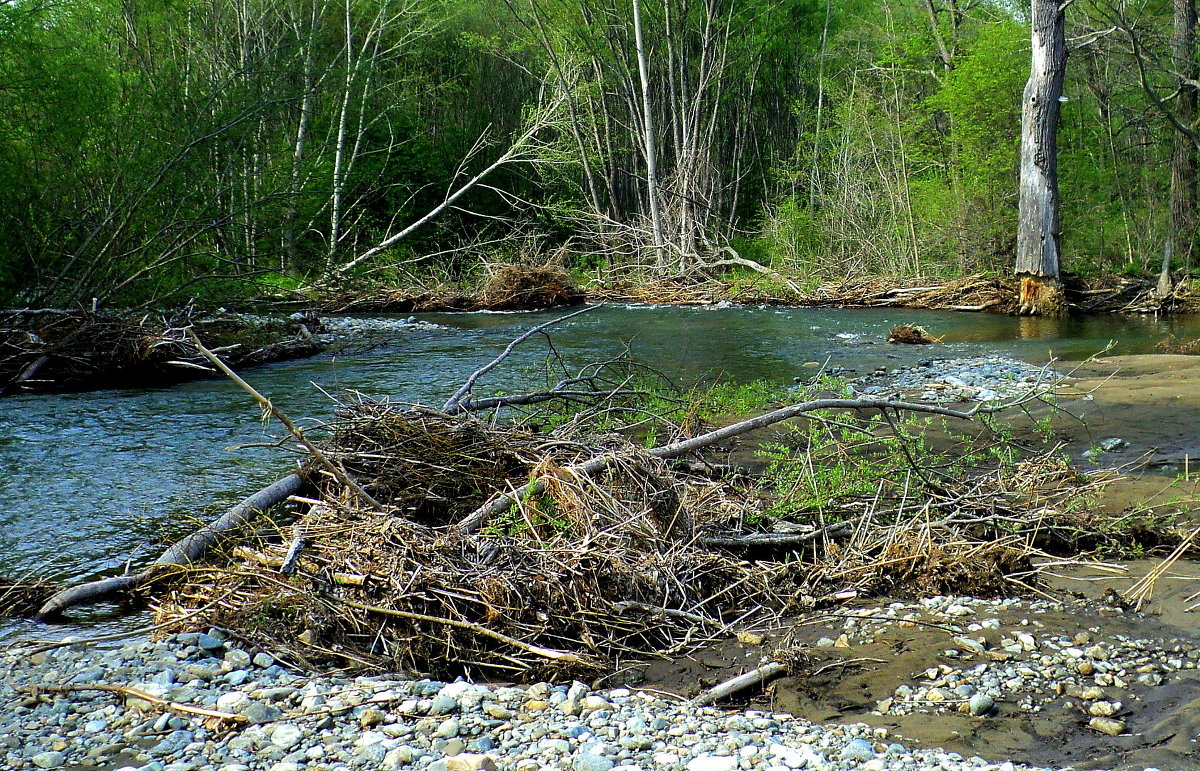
(1038, 222)
(184, 552)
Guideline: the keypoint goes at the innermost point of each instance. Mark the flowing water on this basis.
(90, 482)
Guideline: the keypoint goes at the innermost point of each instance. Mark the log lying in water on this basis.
(183, 552)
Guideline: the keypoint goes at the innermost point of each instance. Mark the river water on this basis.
(90, 482)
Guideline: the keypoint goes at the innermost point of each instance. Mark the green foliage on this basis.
(152, 152)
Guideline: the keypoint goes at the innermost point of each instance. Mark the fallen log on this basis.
(183, 552)
(740, 683)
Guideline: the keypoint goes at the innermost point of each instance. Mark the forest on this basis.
(153, 151)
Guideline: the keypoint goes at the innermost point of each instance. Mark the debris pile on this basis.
(67, 350)
(559, 585)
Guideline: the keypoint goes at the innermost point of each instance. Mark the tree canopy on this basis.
(166, 149)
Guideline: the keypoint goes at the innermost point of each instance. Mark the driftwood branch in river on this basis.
(454, 405)
(183, 552)
(338, 472)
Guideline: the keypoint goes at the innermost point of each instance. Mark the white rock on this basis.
(713, 763)
(230, 702)
(287, 735)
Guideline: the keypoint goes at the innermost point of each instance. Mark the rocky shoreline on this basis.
(983, 379)
(283, 721)
(199, 701)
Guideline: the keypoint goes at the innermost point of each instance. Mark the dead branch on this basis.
(134, 693)
(502, 502)
(453, 404)
(338, 472)
(740, 683)
(537, 650)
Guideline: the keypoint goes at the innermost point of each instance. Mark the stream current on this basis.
(92, 482)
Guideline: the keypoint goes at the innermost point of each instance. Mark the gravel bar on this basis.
(295, 722)
(978, 379)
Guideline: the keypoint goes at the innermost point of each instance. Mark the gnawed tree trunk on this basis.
(1182, 231)
(1038, 223)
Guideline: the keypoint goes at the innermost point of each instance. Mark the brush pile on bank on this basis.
(560, 585)
(79, 350)
(639, 557)
(507, 288)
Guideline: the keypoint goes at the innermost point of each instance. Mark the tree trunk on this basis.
(1183, 152)
(1038, 223)
(648, 136)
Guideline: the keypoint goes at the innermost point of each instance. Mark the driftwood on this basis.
(183, 552)
(456, 405)
(134, 693)
(740, 683)
(501, 503)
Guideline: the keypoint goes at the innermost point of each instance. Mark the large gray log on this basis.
(183, 552)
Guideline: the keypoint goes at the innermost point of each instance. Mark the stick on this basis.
(453, 407)
(504, 501)
(183, 552)
(739, 683)
(338, 472)
(750, 540)
(134, 693)
(271, 561)
(537, 650)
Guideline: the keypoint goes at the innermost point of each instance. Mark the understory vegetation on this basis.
(158, 151)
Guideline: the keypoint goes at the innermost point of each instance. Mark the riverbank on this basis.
(947, 683)
(202, 701)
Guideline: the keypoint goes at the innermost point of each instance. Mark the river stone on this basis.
(713, 763)
(448, 729)
(470, 762)
(257, 712)
(209, 643)
(53, 759)
(981, 704)
(232, 701)
(497, 711)
(588, 761)
(443, 704)
(858, 749)
(287, 736)
(1107, 725)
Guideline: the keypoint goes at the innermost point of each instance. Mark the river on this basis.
(90, 482)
